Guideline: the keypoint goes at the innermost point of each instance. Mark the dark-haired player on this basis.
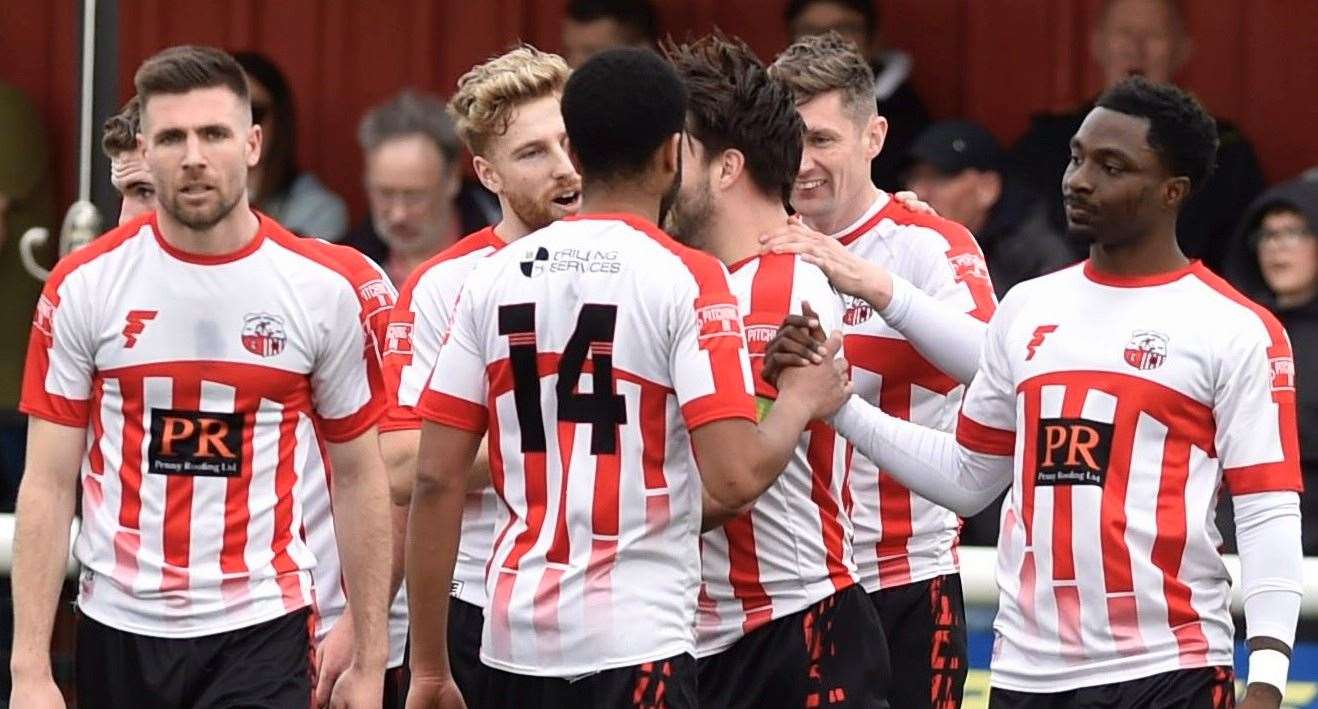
(605, 359)
(1114, 399)
(128, 170)
(187, 371)
(781, 619)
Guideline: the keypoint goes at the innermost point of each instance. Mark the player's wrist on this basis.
(1268, 668)
(30, 668)
(877, 287)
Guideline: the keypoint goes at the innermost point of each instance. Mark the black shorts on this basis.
(925, 623)
(829, 654)
(264, 665)
(465, 621)
(662, 684)
(1202, 688)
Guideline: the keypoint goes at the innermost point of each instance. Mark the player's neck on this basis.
(849, 209)
(230, 234)
(510, 228)
(737, 229)
(615, 199)
(1157, 252)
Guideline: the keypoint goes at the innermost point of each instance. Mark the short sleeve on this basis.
(348, 392)
(60, 365)
(458, 385)
(416, 329)
(957, 274)
(1254, 411)
(708, 358)
(987, 422)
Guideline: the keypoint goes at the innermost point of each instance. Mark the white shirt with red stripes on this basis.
(205, 383)
(419, 324)
(1125, 403)
(793, 549)
(589, 350)
(901, 537)
(376, 295)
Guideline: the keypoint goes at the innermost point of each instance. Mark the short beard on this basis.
(197, 221)
(534, 214)
(689, 219)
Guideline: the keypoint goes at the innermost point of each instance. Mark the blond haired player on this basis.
(507, 112)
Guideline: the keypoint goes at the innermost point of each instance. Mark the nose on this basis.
(396, 211)
(1076, 179)
(807, 160)
(563, 168)
(193, 156)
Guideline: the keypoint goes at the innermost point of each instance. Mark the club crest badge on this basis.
(263, 334)
(1147, 349)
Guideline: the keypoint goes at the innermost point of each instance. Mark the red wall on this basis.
(997, 61)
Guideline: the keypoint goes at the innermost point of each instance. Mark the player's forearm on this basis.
(950, 339)
(1268, 537)
(751, 466)
(41, 538)
(361, 521)
(433, 533)
(927, 461)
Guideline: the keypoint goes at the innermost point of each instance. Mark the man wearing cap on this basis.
(959, 169)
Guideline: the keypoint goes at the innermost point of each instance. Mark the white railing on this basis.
(977, 569)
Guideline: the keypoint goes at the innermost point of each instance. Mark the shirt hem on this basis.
(574, 672)
(1100, 677)
(217, 629)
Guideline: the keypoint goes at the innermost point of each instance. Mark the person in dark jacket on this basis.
(959, 168)
(1281, 226)
(858, 22)
(1148, 38)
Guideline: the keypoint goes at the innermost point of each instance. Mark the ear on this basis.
(876, 133)
(730, 167)
(486, 173)
(254, 139)
(670, 154)
(989, 189)
(1174, 192)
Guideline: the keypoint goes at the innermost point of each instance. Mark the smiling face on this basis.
(833, 186)
(199, 146)
(528, 166)
(1115, 186)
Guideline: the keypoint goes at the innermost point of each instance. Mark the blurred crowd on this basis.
(1260, 237)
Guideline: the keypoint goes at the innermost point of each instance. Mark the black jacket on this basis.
(1020, 241)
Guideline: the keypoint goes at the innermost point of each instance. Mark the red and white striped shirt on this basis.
(205, 383)
(590, 349)
(1125, 403)
(793, 549)
(418, 326)
(376, 295)
(901, 537)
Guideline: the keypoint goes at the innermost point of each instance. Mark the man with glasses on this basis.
(419, 205)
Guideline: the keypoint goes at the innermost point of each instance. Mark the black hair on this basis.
(636, 16)
(618, 108)
(281, 148)
(734, 104)
(1181, 131)
(866, 9)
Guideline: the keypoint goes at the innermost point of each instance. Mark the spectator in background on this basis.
(1148, 38)
(128, 170)
(858, 22)
(26, 201)
(591, 26)
(1281, 228)
(276, 186)
(959, 169)
(419, 203)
